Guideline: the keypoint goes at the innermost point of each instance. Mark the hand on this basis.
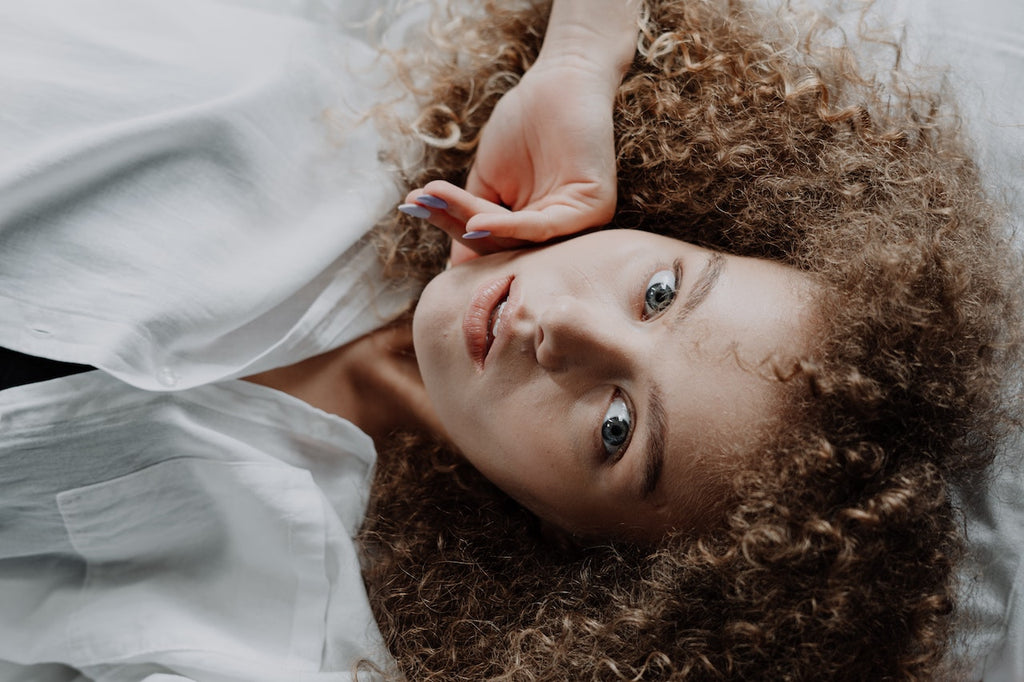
(548, 150)
(449, 208)
(547, 153)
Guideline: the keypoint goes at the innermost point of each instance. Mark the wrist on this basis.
(599, 35)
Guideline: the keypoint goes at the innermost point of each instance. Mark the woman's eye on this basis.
(660, 292)
(616, 428)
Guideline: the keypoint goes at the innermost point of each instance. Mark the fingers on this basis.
(483, 226)
(541, 225)
(571, 207)
(435, 210)
(450, 208)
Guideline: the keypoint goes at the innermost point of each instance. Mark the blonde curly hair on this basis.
(837, 561)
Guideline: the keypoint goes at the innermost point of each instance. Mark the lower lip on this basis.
(477, 320)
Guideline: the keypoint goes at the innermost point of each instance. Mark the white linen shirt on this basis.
(185, 187)
(185, 192)
(198, 535)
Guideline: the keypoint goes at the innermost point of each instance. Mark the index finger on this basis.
(551, 222)
(452, 213)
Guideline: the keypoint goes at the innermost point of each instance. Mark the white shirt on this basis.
(185, 187)
(185, 192)
(205, 533)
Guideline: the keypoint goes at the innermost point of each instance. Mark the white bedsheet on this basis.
(982, 43)
(977, 49)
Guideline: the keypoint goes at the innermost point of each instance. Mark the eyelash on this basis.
(640, 294)
(613, 456)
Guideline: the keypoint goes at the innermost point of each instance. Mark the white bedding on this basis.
(983, 45)
(136, 129)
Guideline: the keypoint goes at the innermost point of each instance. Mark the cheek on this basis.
(487, 431)
(440, 348)
(432, 317)
(500, 410)
(513, 448)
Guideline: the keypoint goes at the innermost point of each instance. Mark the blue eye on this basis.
(617, 427)
(660, 292)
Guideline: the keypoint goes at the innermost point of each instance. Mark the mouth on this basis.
(483, 316)
(493, 323)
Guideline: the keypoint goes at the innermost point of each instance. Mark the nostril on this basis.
(547, 356)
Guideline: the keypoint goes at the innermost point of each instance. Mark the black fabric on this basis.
(17, 369)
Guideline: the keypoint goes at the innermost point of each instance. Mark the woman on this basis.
(806, 473)
(835, 558)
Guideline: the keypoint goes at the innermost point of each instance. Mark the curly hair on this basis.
(837, 561)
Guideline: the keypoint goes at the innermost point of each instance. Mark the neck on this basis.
(374, 382)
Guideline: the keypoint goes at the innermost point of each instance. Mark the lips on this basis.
(492, 326)
(482, 317)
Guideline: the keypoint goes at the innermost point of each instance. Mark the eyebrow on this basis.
(654, 459)
(702, 287)
(657, 422)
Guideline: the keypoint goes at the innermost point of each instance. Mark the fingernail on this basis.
(415, 210)
(432, 201)
(476, 234)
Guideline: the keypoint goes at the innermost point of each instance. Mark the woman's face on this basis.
(600, 381)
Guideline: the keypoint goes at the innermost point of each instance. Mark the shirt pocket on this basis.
(221, 558)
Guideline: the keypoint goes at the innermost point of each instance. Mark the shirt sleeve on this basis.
(186, 187)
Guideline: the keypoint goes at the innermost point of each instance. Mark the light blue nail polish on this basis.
(432, 201)
(476, 234)
(415, 210)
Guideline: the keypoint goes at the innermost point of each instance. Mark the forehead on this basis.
(721, 389)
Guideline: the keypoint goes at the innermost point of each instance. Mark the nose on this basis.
(571, 333)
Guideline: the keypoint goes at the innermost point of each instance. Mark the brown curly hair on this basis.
(837, 562)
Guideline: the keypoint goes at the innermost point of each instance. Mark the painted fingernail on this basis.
(432, 201)
(476, 234)
(415, 210)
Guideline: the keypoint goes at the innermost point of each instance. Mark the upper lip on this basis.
(477, 320)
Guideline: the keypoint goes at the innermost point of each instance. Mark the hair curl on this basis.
(838, 560)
